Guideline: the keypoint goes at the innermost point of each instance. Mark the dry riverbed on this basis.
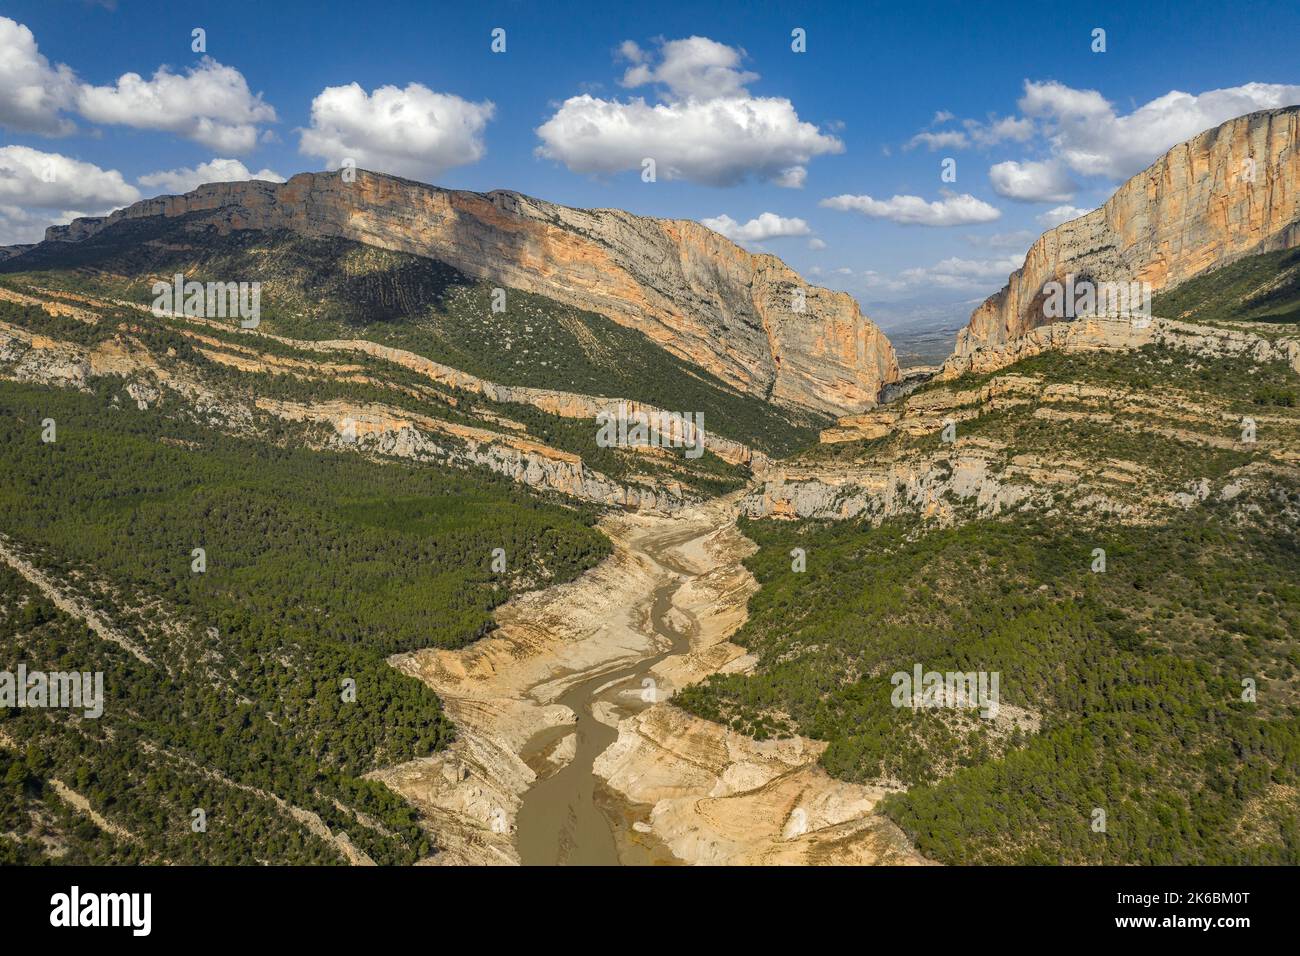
(569, 752)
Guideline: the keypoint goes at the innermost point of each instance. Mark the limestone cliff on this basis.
(689, 290)
(1228, 192)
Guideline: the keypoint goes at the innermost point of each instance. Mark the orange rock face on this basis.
(748, 319)
(1229, 192)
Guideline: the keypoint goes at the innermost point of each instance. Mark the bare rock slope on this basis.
(748, 319)
(1226, 193)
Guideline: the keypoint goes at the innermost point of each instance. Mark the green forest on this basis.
(1136, 674)
(1261, 288)
(336, 288)
(318, 567)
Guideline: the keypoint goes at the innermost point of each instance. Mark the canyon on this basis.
(571, 751)
(569, 748)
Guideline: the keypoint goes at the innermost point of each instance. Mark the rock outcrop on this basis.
(716, 797)
(1228, 192)
(1104, 333)
(748, 319)
(369, 429)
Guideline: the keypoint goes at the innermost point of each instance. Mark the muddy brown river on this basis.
(562, 819)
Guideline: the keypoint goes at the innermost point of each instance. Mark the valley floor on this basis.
(570, 750)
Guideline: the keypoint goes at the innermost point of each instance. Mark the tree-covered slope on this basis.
(336, 288)
(1115, 535)
(1135, 675)
(1262, 288)
(317, 567)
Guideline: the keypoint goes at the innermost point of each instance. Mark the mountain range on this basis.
(362, 569)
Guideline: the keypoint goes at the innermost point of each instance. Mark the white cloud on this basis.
(1053, 99)
(19, 226)
(694, 68)
(1059, 214)
(32, 93)
(218, 170)
(411, 132)
(1019, 239)
(792, 178)
(999, 130)
(953, 274)
(816, 244)
(707, 128)
(1091, 138)
(38, 189)
(956, 268)
(766, 226)
(40, 180)
(988, 133)
(946, 139)
(913, 210)
(211, 104)
(629, 50)
(1032, 181)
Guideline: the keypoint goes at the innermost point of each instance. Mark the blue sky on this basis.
(1040, 127)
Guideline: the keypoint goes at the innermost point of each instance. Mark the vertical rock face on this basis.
(748, 319)
(1229, 192)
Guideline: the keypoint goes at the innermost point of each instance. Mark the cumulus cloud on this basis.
(914, 211)
(1019, 239)
(706, 127)
(956, 271)
(987, 133)
(218, 170)
(1059, 214)
(32, 92)
(1032, 181)
(43, 180)
(1056, 99)
(38, 189)
(946, 139)
(412, 132)
(20, 226)
(1091, 138)
(694, 68)
(766, 226)
(1008, 128)
(954, 274)
(792, 178)
(210, 104)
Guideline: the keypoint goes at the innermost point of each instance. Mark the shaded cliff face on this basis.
(688, 289)
(1229, 192)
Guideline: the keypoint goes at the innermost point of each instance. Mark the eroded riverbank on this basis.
(568, 752)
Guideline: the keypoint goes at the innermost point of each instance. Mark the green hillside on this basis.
(375, 381)
(1263, 288)
(336, 288)
(1135, 673)
(319, 566)
(1122, 689)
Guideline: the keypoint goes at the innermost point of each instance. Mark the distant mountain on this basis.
(747, 319)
